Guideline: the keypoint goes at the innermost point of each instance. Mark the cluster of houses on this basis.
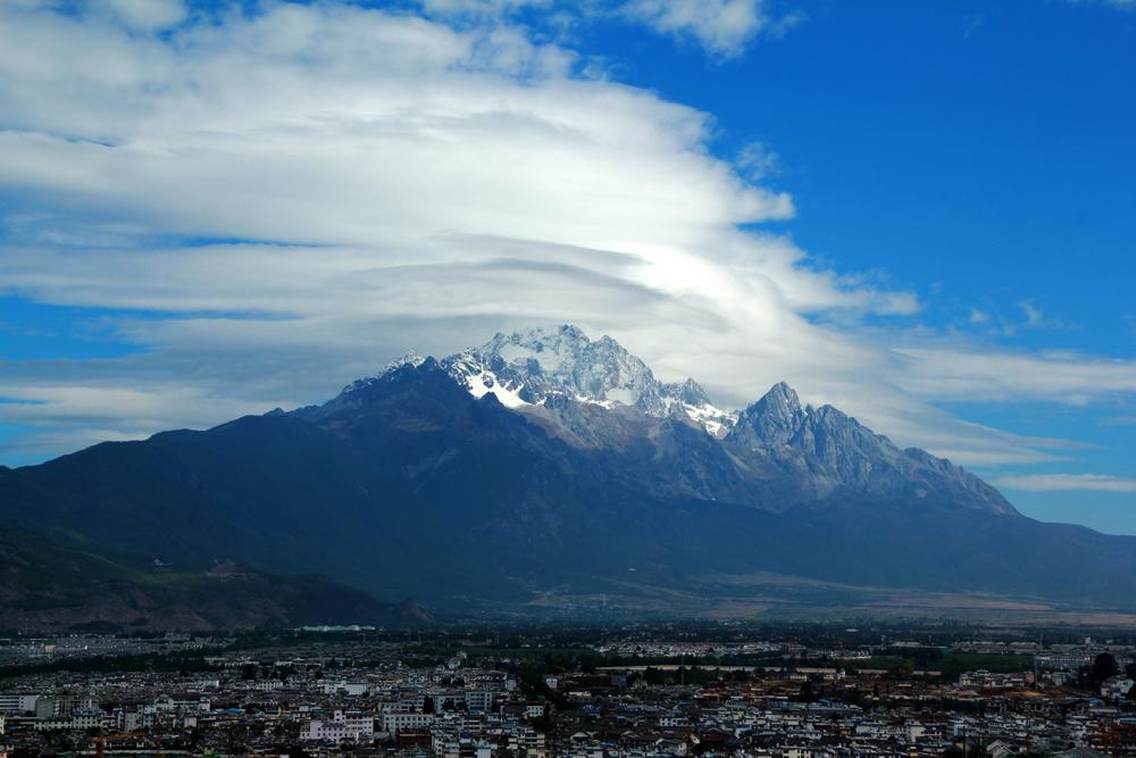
(740, 720)
(315, 701)
(394, 698)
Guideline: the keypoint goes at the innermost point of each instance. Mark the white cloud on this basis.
(955, 374)
(1067, 483)
(148, 15)
(1026, 316)
(722, 27)
(429, 185)
(757, 161)
(484, 9)
(1034, 316)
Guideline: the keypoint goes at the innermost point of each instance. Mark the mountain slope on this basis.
(839, 452)
(419, 482)
(52, 585)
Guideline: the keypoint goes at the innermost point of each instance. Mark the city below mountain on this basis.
(543, 474)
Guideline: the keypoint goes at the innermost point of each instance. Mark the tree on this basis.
(1104, 666)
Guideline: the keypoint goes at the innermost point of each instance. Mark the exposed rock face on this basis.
(771, 421)
(837, 449)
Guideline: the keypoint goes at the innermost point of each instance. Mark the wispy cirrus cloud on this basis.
(723, 29)
(956, 374)
(758, 162)
(1066, 483)
(1124, 5)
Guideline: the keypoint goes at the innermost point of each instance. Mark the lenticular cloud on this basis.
(316, 189)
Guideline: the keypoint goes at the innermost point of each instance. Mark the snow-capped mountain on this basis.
(591, 393)
(541, 365)
(596, 480)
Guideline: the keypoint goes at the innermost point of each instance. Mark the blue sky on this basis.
(921, 212)
(981, 153)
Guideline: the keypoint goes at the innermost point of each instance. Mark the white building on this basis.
(343, 726)
(397, 722)
(350, 689)
(1116, 687)
(16, 703)
(76, 722)
(269, 685)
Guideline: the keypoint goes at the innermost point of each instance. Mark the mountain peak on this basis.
(839, 451)
(540, 339)
(540, 362)
(782, 399)
(689, 392)
(772, 420)
(575, 331)
(562, 363)
(410, 358)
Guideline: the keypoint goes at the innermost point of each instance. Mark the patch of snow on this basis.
(716, 421)
(544, 363)
(485, 382)
(608, 404)
(414, 359)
